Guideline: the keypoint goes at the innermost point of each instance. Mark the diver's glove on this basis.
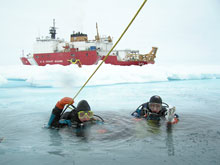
(66, 122)
(171, 114)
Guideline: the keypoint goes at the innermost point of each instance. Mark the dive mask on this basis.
(83, 114)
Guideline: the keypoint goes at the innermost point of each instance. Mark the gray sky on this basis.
(185, 31)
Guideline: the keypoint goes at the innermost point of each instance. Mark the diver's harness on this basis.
(150, 115)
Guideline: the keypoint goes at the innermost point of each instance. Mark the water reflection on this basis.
(147, 128)
(55, 137)
(115, 132)
(1, 139)
(59, 138)
(156, 132)
(82, 132)
(154, 126)
(56, 141)
(169, 140)
(58, 135)
(1, 149)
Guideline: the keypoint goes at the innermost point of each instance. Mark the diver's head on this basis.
(155, 104)
(83, 111)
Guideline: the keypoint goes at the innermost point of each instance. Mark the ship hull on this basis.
(113, 61)
(25, 61)
(66, 58)
(85, 58)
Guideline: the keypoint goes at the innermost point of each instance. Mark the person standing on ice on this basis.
(155, 109)
(78, 116)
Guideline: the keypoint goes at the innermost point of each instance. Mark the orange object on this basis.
(66, 100)
(136, 119)
(102, 131)
(175, 120)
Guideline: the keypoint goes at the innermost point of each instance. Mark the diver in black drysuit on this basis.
(78, 116)
(155, 109)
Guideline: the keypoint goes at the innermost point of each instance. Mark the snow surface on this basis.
(72, 76)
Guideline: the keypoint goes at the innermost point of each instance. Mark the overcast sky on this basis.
(185, 31)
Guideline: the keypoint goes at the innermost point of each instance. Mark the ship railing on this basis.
(29, 55)
(48, 39)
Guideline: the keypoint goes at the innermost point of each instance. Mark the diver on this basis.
(155, 109)
(78, 117)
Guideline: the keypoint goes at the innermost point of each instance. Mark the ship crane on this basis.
(97, 38)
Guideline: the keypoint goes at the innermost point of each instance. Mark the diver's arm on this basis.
(66, 100)
(137, 113)
(55, 115)
(141, 111)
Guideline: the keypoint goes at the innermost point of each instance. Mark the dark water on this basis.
(24, 110)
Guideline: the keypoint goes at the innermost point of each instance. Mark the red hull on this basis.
(25, 61)
(84, 57)
(63, 58)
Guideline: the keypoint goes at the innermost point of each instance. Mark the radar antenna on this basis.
(53, 30)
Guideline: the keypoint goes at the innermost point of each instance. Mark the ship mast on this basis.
(53, 30)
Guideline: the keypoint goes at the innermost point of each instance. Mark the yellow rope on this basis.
(111, 48)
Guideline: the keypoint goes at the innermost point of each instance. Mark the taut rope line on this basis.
(107, 54)
(112, 48)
